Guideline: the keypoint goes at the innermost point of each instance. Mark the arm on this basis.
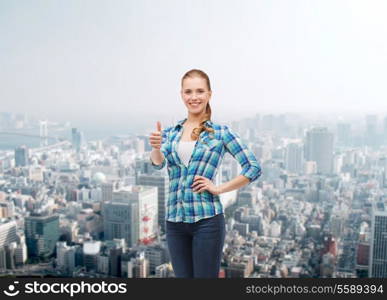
(251, 169)
(235, 183)
(157, 159)
(157, 156)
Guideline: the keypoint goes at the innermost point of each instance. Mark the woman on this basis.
(194, 149)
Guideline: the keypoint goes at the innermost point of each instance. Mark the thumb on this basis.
(158, 126)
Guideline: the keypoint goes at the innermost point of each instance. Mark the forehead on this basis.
(194, 83)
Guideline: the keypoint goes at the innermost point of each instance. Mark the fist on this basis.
(155, 137)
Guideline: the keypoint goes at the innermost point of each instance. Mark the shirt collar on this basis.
(180, 123)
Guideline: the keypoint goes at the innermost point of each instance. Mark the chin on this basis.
(195, 111)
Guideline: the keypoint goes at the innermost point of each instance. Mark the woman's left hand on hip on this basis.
(201, 184)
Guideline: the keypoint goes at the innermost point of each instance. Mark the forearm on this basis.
(157, 156)
(235, 183)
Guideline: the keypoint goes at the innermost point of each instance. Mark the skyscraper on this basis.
(371, 132)
(344, 134)
(21, 156)
(7, 232)
(294, 158)
(77, 139)
(378, 251)
(385, 172)
(42, 233)
(107, 191)
(319, 148)
(65, 256)
(131, 215)
(385, 130)
(161, 182)
(91, 250)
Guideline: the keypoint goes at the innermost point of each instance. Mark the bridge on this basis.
(33, 135)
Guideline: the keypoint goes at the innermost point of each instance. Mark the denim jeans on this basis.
(196, 248)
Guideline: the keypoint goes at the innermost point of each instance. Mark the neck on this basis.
(195, 118)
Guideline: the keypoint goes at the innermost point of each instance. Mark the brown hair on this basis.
(207, 116)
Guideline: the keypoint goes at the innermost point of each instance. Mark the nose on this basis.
(194, 96)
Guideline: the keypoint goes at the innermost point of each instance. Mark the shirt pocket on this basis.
(210, 144)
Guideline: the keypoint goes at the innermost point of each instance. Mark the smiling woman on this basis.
(193, 149)
(196, 94)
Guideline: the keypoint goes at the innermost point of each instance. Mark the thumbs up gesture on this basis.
(155, 137)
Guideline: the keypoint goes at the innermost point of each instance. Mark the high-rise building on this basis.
(144, 166)
(21, 254)
(344, 134)
(378, 251)
(77, 139)
(156, 256)
(12, 246)
(107, 191)
(42, 233)
(7, 232)
(131, 215)
(371, 132)
(319, 148)
(247, 197)
(239, 267)
(74, 135)
(139, 145)
(119, 218)
(138, 267)
(385, 130)
(161, 182)
(7, 209)
(115, 255)
(384, 172)
(21, 156)
(294, 160)
(91, 251)
(268, 122)
(3, 258)
(66, 257)
(103, 264)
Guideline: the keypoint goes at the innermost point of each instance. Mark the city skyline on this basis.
(309, 215)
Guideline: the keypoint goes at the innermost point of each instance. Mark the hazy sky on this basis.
(110, 62)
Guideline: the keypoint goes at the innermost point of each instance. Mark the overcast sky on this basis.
(115, 61)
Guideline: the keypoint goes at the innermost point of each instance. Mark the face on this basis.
(195, 94)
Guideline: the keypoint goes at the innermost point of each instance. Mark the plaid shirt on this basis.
(183, 204)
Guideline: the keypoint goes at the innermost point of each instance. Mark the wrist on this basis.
(219, 190)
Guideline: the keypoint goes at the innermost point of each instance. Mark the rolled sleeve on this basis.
(164, 137)
(158, 167)
(245, 157)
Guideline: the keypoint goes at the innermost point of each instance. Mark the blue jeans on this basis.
(196, 248)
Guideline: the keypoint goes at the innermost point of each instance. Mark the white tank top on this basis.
(184, 150)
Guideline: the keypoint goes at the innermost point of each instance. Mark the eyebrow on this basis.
(199, 89)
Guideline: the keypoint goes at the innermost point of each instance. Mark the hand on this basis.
(201, 184)
(155, 137)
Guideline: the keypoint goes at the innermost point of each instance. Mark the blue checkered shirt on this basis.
(183, 204)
